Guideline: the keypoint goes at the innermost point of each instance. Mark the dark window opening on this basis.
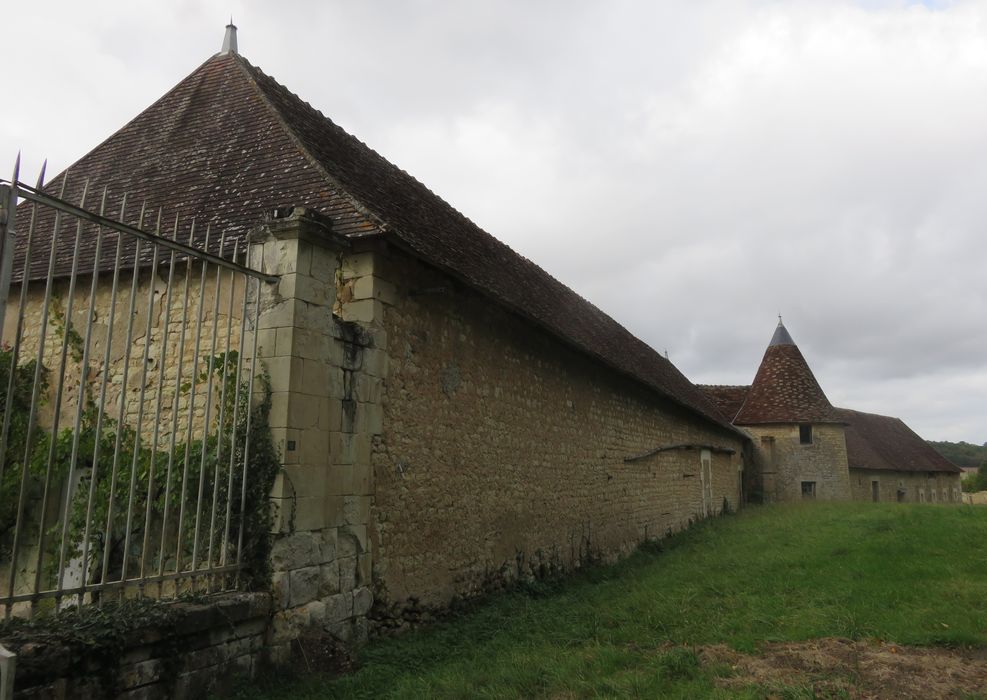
(875, 490)
(901, 495)
(808, 489)
(805, 434)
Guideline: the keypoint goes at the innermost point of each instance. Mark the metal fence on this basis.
(127, 367)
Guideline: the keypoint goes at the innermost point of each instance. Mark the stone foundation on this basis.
(203, 646)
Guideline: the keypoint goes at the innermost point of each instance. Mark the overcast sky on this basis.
(692, 168)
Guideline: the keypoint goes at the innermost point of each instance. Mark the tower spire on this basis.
(229, 41)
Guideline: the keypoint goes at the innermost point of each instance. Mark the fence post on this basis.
(8, 664)
(8, 211)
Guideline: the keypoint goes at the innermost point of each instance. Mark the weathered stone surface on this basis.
(349, 541)
(329, 581)
(280, 589)
(342, 630)
(785, 463)
(304, 585)
(206, 642)
(339, 607)
(347, 573)
(918, 487)
(512, 463)
(363, 600)
(296, 550)
(316, 611)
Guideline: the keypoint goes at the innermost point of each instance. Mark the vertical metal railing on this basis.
(125, 434)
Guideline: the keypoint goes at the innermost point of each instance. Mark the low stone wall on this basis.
(201, 645)
(975, 499)
(914, 487)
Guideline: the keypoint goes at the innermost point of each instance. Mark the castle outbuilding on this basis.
(805, 448)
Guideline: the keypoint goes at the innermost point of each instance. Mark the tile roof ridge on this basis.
(248, 70)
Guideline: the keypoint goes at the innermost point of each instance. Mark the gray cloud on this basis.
(692, 169)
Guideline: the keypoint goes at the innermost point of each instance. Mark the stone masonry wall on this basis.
(325, 374)
(502, 452)
(784, 463)
(162, 342)
(205, 644)
(159, 321)
(917, 487)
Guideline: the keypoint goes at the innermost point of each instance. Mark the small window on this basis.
(808, 489)
(875, 491)
(805, 434)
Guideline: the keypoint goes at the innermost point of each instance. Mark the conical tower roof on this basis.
(784, 389)
(229, 143)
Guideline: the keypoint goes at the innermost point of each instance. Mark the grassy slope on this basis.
(908, 573)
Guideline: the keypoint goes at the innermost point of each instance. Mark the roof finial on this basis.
(229, 41)
(781, 335)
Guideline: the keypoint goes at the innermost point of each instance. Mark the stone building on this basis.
(450, 418)
(805, 448)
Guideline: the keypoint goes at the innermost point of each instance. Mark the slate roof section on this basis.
(727, 398)
(887, 444)
(784, 389)
(229, 143)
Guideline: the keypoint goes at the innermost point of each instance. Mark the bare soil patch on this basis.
(861, 670)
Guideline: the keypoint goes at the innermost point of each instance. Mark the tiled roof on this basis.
(784, 389)
(229, 143)
(728, 399)
(212, 149)
(886, 443)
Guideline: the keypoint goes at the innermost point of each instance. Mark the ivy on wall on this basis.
(139, 502)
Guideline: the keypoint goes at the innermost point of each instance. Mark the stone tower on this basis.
(799, 440)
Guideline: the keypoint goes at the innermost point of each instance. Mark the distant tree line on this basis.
(962, 454)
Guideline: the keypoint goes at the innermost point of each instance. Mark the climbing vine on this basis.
(138, 502)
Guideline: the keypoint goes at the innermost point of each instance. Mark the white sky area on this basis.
(692, 168)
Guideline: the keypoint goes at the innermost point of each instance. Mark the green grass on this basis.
(905, 573)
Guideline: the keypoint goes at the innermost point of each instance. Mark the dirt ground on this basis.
(863, 670)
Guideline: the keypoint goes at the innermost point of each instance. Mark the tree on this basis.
(976, 481)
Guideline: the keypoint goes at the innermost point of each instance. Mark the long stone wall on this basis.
(436, 446)
(503, 450)
(784, 463)
(905, 487)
